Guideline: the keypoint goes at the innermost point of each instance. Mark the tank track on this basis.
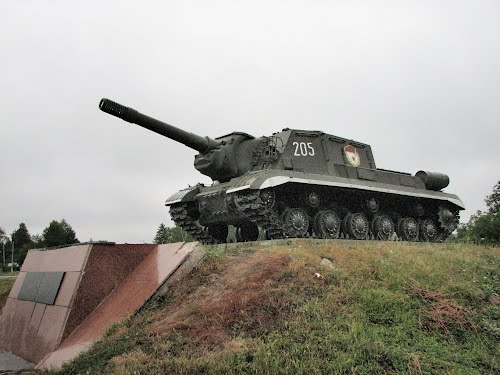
(180, 215)
(253, 208)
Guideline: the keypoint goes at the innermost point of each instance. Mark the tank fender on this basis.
(273, 181)
(184, 195)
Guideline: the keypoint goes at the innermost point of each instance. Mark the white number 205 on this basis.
(303, 149)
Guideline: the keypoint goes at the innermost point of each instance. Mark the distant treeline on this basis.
(57, 233)
(60, 233)
(165, 234)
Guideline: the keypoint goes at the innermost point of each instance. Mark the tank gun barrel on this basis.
(196, 142)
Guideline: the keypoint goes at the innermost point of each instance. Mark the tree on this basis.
(70, 237)
(21, 236)
(177, 234)
(169, 235)
(59, 233)
(161, 234)
(21, 253)
(37, 241)
(3, 242)
(22, 243)
(3, 237)
(493, 200)
(484, 227)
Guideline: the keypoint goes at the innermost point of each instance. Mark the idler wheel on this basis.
(296, 222)
(408, 229)
(357, 226)
(247, 233)
(218, 232)
(382, 227)
(428, 231)
(327, 224)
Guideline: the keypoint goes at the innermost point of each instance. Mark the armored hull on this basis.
(297, 204)
(301, 183)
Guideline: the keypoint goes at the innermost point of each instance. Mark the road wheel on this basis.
(327, 224)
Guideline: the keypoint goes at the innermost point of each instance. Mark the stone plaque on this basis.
(49, 286)
(30, 286)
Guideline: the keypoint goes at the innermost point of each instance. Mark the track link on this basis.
(180, 215)
(254, 209)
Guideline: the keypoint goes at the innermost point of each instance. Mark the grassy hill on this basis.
(380, 307)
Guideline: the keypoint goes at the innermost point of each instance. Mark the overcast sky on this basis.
(418, 80)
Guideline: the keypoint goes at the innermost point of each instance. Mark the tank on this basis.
(301, 183)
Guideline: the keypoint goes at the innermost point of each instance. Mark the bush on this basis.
(484, 227)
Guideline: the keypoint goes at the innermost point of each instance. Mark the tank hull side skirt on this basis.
(270, 179)
(307, 210)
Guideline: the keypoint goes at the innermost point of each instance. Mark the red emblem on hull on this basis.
(351, 155)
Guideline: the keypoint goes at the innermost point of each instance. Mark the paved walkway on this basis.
(11, 363)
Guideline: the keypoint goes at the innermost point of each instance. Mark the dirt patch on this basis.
(247, 295)
(494, 300)
(443, 313)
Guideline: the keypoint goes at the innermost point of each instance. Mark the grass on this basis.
(382, 307)
(5, 287)
(15, 273)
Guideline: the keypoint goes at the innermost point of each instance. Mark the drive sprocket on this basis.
(448, 220)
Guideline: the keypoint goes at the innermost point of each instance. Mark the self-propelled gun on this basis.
(301, 183)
